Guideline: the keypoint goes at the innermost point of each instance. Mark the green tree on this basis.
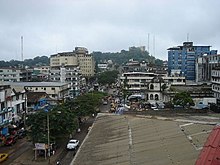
(183, 99)
(108, 77)
(87, 104)
(62, 121)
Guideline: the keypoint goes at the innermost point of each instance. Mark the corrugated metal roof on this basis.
(210, 154)
(35, 84)
(126, 140)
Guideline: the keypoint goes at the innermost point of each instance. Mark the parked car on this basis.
(21, 133)
(10, 140)
(3, 157)
(154, 107)
(105, 102)
(72, 144)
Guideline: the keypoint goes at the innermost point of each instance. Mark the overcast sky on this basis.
(51, 26)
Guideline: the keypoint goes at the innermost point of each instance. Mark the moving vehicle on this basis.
(72, 144)
(3, 157)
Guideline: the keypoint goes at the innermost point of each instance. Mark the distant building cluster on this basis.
(189, 68)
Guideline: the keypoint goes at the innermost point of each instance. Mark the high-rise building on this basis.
(71, 67)
(182, 59)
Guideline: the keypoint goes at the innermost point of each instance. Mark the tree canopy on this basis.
(108, 77)
(124, 56)
(63, 119)
(183, 99)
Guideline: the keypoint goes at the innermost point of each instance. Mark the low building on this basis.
(15, 74)
(55, 90)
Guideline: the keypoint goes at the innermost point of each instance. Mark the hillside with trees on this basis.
(118, 58)
(37, 61)
(124, 56)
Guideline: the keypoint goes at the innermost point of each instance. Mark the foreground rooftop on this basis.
(126, 140)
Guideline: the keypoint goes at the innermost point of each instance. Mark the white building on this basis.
(150, 83)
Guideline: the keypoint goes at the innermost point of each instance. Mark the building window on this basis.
(52, 88)
(156, 97)
(151, 96)
(151, 86)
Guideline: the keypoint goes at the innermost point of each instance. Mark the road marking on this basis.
(199, 133)
(187, 124)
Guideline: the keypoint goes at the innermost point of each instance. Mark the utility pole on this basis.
(148, 43)
(48, 136)
(22, 54)
(187, 37)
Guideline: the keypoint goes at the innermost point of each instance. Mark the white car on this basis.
(72, 144)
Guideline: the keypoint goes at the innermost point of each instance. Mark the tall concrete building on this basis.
(71, 67)
(182, 59)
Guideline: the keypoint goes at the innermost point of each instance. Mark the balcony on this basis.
(6, 110)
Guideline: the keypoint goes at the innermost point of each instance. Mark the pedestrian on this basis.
(78, 130)
(58, 162)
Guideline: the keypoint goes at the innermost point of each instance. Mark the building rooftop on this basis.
(35, 84)
(126, 140)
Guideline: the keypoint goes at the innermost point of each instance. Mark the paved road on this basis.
(22, 151)
(66, 160)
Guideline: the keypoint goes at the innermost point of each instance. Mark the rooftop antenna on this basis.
(22, 55)
(187, 37)
(154, 45)
(148, 43)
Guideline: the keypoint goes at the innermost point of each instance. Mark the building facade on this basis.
(78, 58)
(205, 65)
(72, 67)
(15, 75)
(12, 109)
(149, 83)
(216, 85)
(182, 59)
(55, 90)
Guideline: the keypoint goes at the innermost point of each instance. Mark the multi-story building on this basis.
(149, 83)
(86, 62)
(182, 59)
(216, 85)
(78, 58)
(205, 65)
(41, 72)
(15, 74)
(12, 108)
(71, 67)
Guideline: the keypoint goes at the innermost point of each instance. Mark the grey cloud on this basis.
(107, 25)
